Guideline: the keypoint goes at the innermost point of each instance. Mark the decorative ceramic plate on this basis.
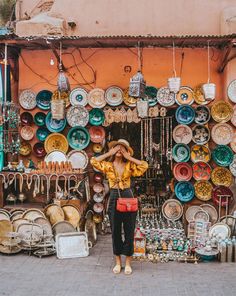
(181, 153)
(56, 141)
(43, 99)
(98, 188)
(96, 98)
(40, 119)
(78, 159)
(98, 207)
(201, 215)
(233, 119)
(128, 100)
(199, 97)
(79, 97)
(114, 96)
(78, 138)
(231, 91)
(96, 116)
(151, 93)
(26, 118)
(201, 171)
(184, 191)
(200, 153)
(212, 212)
(165, 97)
(39, 150)
(42, 133)
(56, 156)
(221, 111)
(201, 134)
(220, 230)
(27, 99)
(98, 197)
(224, 193)
(202, 114)
(222, 133)
(182, 171)
(203, 190)
(97, 147)
(221, 176)
(97, 134)
(77, 116)
(233, 143)
(185, 96)
(172, 209)
(232, 166)
(189, 214)
(25, 149)
(53, 125)
(27, 133)
(223, 155)
(182, 134)
(185, 114)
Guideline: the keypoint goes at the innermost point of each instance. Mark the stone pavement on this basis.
(23, 275)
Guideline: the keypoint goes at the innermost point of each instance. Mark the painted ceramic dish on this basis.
(27, 99)
(201, 215)
(151, 93)
(97, 147)
(200, 153)
(43, 99)
(182, 134)
(220, 230)
(26, 118)
(114, 96)
(212, 212)
(221, 176)
(233, 143)
(98, 207)
(231, 91)
(182, 171)
(98, 188)
(223, 155)
(96, 98)
(56, 141)
(233, 119)
(222, 133)
(221, 111)
(39, 150)
(191, 211)
(202, 114)
(201, 171)
(53, 125)
(184, 191)
(79, 97)
(199, 97)
(25, 149)
(78, 138)
(223, 195)
(203, 190)
(40, 119)
(185, 114)
(78, 159)
(56, 156)
(232, 166)
(165, 97)
(172, 209)
(27, 133)
(201, 134)
(181, 153)
(96, 116)
(97, 134)
(77, 116)
(128, 100)
(185, 96)
(42, 133)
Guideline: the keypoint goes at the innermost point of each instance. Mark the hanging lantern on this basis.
(174, 83)
(139, 243)
(63, 84)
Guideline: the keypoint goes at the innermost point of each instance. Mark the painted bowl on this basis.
(26, 118)
(40, 119)
(42, 133)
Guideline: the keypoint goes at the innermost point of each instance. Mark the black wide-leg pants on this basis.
(117, 220)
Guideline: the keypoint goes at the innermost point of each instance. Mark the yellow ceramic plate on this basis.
(221, 111)
(203, 190)
(200, 153)
(184, 96)
(221, 176)
(199, 96)
(56, 141)
(128, 100)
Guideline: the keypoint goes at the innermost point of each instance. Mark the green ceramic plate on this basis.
(42, 133)
(96, 116)
(181, 153)
(53, 125)
(43, 99)
(78, 138)
(223, 155)
(40, 118)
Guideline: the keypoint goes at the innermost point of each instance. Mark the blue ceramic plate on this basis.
(223, 155)
(40, 118)
(184, 191)
(96, 116)
(43, 99)
(185, 114)
(42, 133)
(181, 152)
(78, 138)
(53, 125)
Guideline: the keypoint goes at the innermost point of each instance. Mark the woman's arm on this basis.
(104, 156)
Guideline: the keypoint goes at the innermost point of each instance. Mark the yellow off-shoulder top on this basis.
(131, 170)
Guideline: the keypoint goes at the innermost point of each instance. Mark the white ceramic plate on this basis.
(56, 156)
(77, 116)
(222, 133)
(27, 99)
(231, 91)
(182, 134)
(114, 96)
(78, 159)
(96, 98)
(79, 97)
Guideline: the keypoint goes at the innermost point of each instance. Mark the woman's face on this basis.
(121, 149)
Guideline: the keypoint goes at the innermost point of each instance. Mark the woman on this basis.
(119, 171)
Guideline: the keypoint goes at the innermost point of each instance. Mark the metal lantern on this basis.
(63, 82)
(137, 85)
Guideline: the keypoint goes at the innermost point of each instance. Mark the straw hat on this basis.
(122, 142)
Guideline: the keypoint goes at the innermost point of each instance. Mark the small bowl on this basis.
(26, 118)
(98, 177)
(25, 149)
(42, 133)
(98, 188)
(39, 150)
(40, 119)
(27, 133)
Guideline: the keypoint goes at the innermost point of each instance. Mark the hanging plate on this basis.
(56, 141)
(221, 176)
(201, 134)
(181, 153)
(222, 155)
(96, 116)
(26, 118)
(231, 91)
(201, 171)
(199, 96)
(185, 114)
(165, 97)
(182, 171)
(25, 149)
(220, 230)
(78, 159)
(27, 99)
(233, 143)
(222, 133)
(53, 125)
(202, 114)
(77, 116)
(96, 98)
(191, 212)
(182, 134)
(232, 166)
(233, 119)
(56, 156)
(172, 209)
(79, 97)
(27, 133)
(99, 196)
(184, 191)
(98, 188)
(222, 191)
(185, 96)
(221, 111)
(40, 119)
(78, 138)
(114, 96)
(128, 100)
(212, 212)
(200, 153)
(203, 190)
(98, 207)
(201, 215)
(43, 99)
(39, 150)
(151, 93)
(42, 133)
(97, 134)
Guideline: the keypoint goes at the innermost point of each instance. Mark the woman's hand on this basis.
(126, 154)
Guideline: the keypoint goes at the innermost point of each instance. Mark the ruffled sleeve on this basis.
(138, 170)
(102, 166)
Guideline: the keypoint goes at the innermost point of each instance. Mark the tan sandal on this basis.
(117, 269)
(128, 270)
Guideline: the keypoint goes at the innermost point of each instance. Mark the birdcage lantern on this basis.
(137, 85)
